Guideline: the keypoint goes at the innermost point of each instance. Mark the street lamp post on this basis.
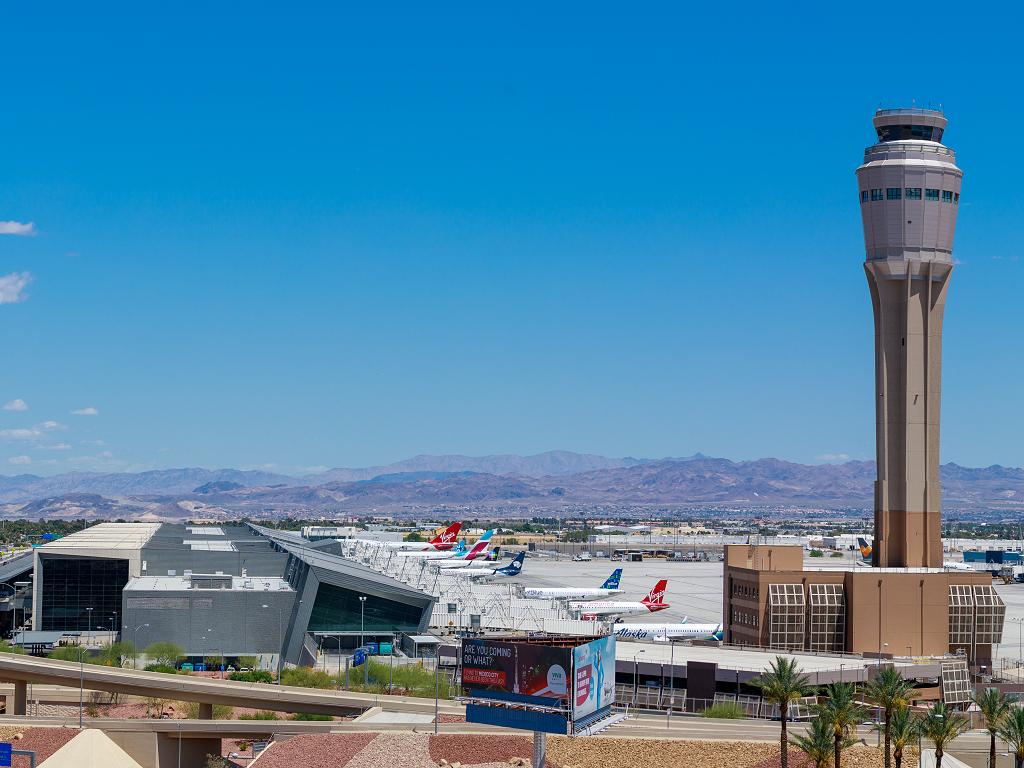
(362, 638)
(89, 613)
(437, 660)
(671, 682)
(135, 646)
(636, 675)
(81, 684)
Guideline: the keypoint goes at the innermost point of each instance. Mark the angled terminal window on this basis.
(828, 618)
(961, 615)
(337, 609)
(787, 616)
(79, 592)
(989, 615)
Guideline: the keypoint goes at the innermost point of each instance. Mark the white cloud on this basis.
(833, 457)
(58, 447)
(49, 426)
(16, 405)
(90, 411)
(17, 228)
(20, 460)
(20, 434)
(12, 287)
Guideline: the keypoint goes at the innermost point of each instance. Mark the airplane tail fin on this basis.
(447, 538)
(513, 568)
(865, 548)
(685, 619)
(656, 597)
(492, 555)
(481, 545)
(612, 582)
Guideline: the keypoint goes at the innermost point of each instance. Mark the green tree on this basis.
(249, 662)
(413, 536)
(888, 691)
(940, 726)
(69, 653)
(164, 653)
(902, 729)
(816, 743)
(841, 712)
(1011, 730)
(994, 706)
(782, 684)
(115, 653)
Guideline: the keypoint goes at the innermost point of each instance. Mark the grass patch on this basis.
(727, 710)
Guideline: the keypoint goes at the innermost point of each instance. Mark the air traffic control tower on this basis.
(908, 604)
(909, 188)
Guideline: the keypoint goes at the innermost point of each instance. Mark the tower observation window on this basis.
(864, 196)
(892, 193)
(909, 132)
(913, 193)
(876, 194)
(947, 196)
(931, 194)
(956, 198)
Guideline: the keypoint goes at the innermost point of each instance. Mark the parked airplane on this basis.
(512, 569)
(662, 633)
(466, 559)
(441, 543)
(608, 589)
(655, 601)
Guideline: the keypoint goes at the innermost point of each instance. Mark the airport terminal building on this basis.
(218, 590)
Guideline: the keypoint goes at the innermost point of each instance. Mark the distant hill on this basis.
(550, 480)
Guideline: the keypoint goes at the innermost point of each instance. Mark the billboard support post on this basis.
(540, 748)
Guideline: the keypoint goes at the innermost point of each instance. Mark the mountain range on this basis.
(552, 480)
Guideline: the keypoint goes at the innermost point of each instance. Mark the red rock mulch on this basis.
(472, 749)
(315, 750)
(43, 741)
(797, 759)
(451, 719)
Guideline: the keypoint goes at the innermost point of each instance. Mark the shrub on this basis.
(263, 714)
(308, 678)
(164, 653)
(817, 553)
(309, 716)
(191, 710)
(256, 676)
(161, 668)
(6, 647)
(69, 653)
(726, 710)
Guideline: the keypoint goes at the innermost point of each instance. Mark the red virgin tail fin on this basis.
(447, 538)
(655, 599)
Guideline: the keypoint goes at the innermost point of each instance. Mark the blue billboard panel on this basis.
(546, 722)
(6, 754)
(359, 657)
(593, 667)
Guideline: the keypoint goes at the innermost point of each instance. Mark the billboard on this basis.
(520, 669)
(593, 677)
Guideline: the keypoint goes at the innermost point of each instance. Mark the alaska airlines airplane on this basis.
(512, 569)
(662, 633)
(655, 601)
(608, 589)
(441, 543)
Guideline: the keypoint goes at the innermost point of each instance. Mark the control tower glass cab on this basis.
(909, 194)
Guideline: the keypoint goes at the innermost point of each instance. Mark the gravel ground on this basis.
(390, 750)
(317, 751)
(43, 741)
(475, 750)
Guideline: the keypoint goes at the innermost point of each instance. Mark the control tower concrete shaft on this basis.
(909, 190)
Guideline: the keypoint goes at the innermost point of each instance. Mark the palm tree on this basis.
(994, 705)
(1011, 730)
(816, 743)
(888, 691)
(940, 726)
(782, 684)
(900, 731)
(842, 712)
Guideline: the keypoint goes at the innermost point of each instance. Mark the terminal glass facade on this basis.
(828, 618)
(338, 610)
(787, 615)
(961, 615)
(989, 613)
(72, 585)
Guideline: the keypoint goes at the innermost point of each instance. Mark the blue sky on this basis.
(324, 236)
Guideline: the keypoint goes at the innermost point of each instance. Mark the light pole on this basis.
(280, 639)
(437, 660)
(636, 674)
(88, 612)
(362, 639)
(671, 682)
(81, 683)
(135, 646)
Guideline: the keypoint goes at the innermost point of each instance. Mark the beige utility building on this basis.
(907, 603)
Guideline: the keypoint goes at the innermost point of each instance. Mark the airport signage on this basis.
(6, 752)
(593, 673)
(358, 657)
(523, 670)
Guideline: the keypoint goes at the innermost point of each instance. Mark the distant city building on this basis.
(908, 603)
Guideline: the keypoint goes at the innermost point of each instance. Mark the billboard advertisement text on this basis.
(522, 669)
